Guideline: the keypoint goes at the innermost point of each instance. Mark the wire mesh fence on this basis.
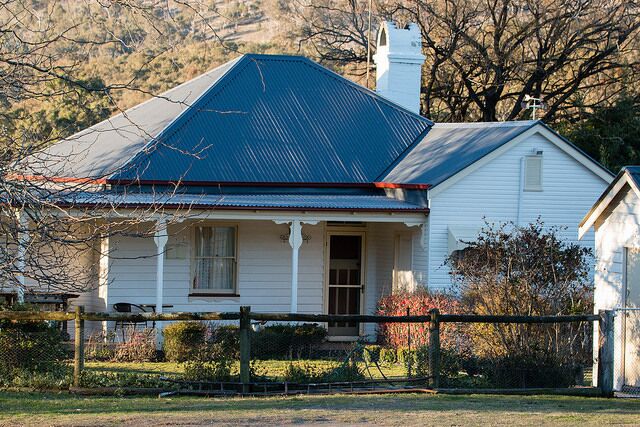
(230, 353)
(627, 351)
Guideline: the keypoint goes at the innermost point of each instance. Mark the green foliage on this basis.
(610, 135)
(97, 379)
(303, 373)
(286, 341)
(29, 346)
(208, 370)
(183, 341)
(347, 372)
(388, 355)
(371, 353)
(518, 371)
(52, 377)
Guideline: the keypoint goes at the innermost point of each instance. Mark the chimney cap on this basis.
(401, 41)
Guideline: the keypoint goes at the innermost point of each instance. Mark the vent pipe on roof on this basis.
(399, 62)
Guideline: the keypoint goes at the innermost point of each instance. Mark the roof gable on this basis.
(453, 149)
(627, 179)
(258, 119)
(448, 148)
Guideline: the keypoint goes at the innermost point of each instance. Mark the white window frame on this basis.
(213, 291)
(533, 187)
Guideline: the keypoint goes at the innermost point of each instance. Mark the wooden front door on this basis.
(631, 316)
(345, 285)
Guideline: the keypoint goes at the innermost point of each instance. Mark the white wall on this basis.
(264, 270)
(620, 229)
(491, 191)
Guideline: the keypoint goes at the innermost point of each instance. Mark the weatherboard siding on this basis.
(619, 230)
(491, 192)
(264, 269)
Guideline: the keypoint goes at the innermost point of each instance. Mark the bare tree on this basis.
(51, 225)
(485, 56)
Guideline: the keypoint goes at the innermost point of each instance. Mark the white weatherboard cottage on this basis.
(310, 193)
(616, 220)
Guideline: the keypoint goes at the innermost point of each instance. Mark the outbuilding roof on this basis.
(628, 179)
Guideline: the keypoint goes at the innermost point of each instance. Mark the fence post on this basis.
(245, 347)
(434, 348)
(605, 352)
(409, 357)
(78, 357)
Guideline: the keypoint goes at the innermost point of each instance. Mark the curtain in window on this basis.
(215, 258)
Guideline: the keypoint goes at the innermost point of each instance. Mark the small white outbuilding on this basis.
(616, 219)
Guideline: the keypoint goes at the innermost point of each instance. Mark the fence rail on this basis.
(434, 319)
(292, 317)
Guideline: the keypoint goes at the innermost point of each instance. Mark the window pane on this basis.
(203, 274)
(204, 241)
(224, 242)
(215, 258)
(223, 274)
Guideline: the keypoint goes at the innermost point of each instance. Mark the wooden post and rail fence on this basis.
(605, 319)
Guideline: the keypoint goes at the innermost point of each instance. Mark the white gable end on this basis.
(494, 188)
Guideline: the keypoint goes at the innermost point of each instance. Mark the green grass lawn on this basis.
(271, 368)
(405, 410)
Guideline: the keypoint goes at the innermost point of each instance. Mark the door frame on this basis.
(625, 312)
(345, 231)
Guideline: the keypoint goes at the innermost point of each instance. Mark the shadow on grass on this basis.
(20, 404)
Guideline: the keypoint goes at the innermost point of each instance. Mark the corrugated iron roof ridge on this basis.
(144, 151)
(381, 177)
(233, 73)
(369, 92)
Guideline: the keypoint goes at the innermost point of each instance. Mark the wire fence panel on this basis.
(627, 360)
(233, 353)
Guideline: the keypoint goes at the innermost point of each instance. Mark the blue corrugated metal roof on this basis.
(450, 147)
(248, 201)
(100, 150)
(261, 118)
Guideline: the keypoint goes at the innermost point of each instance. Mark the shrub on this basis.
(421, 361)
(523, 371)
(525, 270)
(371, 353)
(388, 355)
(210, 370)
(29, 346)
(101, 345)
(141, 347)
(226, 337)
(287, 341)
(303, 373)
(347, 372)
(419, 302)
(183, 340)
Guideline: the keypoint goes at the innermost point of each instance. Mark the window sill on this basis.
(213, 294)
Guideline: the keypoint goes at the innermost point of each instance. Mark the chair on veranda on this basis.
(124, 325)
